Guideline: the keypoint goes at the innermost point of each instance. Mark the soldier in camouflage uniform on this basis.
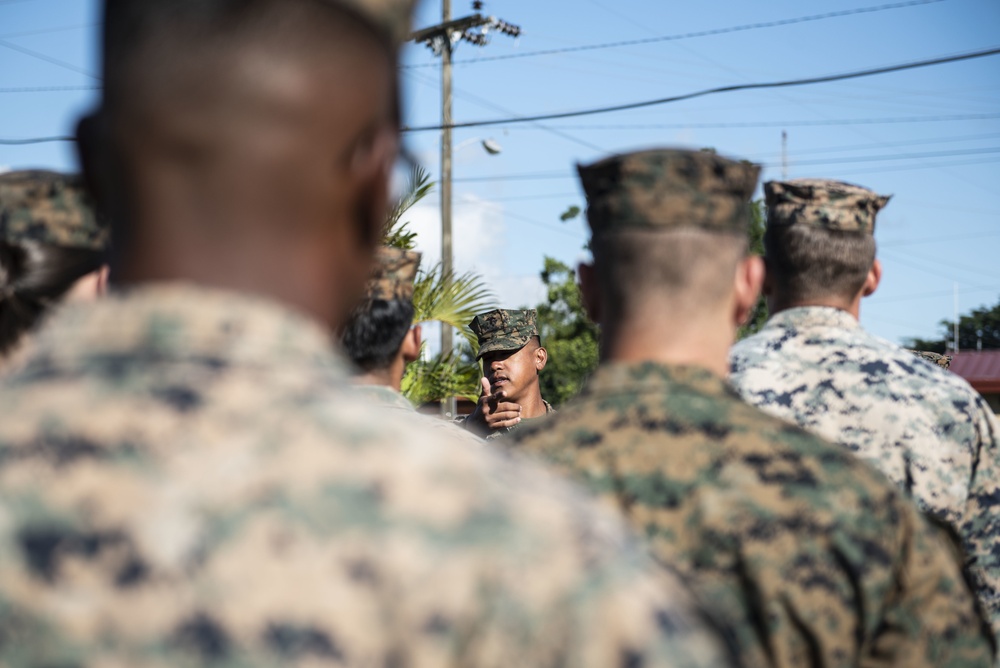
(513, 357)
(813, 558)
(814, 365)
(52, 248)
(380, 338)
(187, 477)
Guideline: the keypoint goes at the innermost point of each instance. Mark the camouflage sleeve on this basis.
(981, 522)
(932, 604)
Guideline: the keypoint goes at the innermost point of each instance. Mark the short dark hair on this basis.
(807, 262)
(372, 337)
(33, 277)
(131, 26)
(687, 269)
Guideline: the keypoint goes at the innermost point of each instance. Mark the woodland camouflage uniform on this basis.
(812, 557)
(187, 478)
(923, 427)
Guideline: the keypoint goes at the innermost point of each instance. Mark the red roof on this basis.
(980, 368)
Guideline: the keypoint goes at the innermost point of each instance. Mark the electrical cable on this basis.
(721, 89)
(690, 35)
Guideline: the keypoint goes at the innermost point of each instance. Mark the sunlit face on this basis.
(511, 371)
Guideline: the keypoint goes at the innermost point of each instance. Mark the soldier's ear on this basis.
(589, 291)
(411, 345)
(746, 287)
(541, 358)
(873, 279)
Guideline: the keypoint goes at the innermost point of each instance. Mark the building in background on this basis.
(981, 369)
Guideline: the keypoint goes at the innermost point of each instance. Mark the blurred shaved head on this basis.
(245, 144)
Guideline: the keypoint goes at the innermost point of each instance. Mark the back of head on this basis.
(247, 144)
(49, 239)
(669, 227)
(376, 329)
(819, 242)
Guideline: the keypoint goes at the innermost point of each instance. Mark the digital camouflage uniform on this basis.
(811, 557)
(924, 428)
(505, 329)
(188, 477)
(50, 208)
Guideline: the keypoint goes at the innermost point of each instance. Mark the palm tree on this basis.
(437, 297)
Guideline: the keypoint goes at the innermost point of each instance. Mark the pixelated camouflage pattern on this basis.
(927, 430)
(813, 558)
(833, 205)
(667, 189)
(504, 329)
(943, 361)
(187, 478)
(393, 274)
(50, 208)
(384, 396)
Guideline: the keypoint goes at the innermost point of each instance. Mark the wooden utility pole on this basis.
(447, 269)
(442, 39)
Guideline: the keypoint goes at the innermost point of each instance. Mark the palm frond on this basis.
(396, 231)
(438, 378)
(454, 302)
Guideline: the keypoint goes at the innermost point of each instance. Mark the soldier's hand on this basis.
(493, 411)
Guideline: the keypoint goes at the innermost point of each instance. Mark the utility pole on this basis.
(442, 39)
(954, 336)
(784, 155)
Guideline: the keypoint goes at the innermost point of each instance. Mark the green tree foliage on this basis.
(759, 315)
(449, 299)
(978, 329)
(567, 334)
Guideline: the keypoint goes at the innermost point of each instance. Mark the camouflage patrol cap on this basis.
(668, 188)
(834, 205)
(51, 208)
(504, 329)
(393, 275)
(943, 361)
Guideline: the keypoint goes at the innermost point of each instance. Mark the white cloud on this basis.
(4, 168)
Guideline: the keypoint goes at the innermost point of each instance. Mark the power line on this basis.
(32, 140)
(722, 89)
(691, 35)
(48, 59)
(781, 124)
(47, 89)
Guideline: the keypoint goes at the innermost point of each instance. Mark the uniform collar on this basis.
(175, 321)
(654, 376)
(805, 317)
(385, 395)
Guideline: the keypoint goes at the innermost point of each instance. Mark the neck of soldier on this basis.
(530, 400)
(390, 376)
(701, 341)
(778, 303)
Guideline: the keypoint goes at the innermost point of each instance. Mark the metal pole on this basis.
(955, 326)
(448, 405)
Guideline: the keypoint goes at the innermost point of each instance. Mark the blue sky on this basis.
(940, 230)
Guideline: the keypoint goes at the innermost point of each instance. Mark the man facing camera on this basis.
(513, 358)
